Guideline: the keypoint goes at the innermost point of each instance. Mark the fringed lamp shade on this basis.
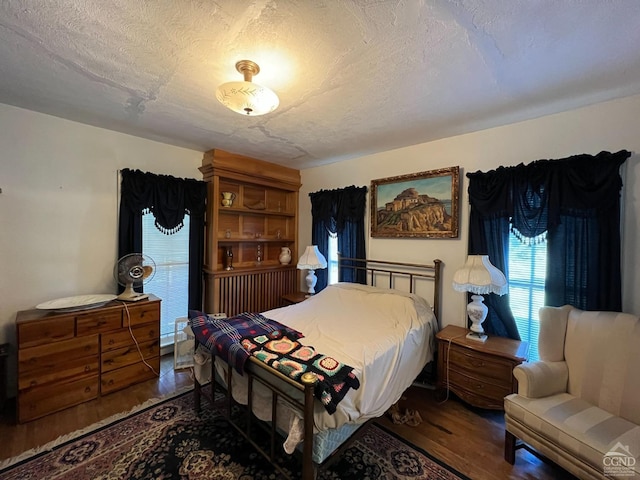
(311, 260)
(481, 277)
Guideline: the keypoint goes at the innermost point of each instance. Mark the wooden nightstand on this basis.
(295, 297)
(481, 374)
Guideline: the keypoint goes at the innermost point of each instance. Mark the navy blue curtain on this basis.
(340, 212)
(573, 204)
(169, 199)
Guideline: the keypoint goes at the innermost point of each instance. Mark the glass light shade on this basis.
(480, 276)
(247, 98)
(312, 259)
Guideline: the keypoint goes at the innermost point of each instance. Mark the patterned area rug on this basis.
(169, 441)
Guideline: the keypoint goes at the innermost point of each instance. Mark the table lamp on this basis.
(311, 260)
(479, 276)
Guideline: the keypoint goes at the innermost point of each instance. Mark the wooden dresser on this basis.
(69, 358)
(479, 373)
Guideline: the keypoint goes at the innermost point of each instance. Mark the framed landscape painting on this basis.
(418, 205)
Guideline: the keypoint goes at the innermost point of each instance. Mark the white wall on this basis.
(58, 206)
(609, 126)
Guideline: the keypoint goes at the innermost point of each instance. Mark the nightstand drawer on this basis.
(478, 385)
(480, 373)
(480, 363)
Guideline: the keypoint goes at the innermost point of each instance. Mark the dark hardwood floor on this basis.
(470, 440)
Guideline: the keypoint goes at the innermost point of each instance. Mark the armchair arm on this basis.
(541, 379)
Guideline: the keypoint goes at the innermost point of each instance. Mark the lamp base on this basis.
(477, 337)
(311, 280)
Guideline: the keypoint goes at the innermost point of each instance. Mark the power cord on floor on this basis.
(150, 367)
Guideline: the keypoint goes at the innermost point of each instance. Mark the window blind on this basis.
(527, 271)
(171, 280)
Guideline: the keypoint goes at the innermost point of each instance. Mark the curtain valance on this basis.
(534, 196)
(167, 198)
(334, 208)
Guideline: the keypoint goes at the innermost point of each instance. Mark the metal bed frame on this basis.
(300, 396)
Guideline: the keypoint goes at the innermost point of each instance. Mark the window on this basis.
(527, 270)
(171, 280)
(332, 260)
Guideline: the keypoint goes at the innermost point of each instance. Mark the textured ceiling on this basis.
(353, 77)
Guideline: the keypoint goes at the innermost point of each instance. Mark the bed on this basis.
(383, 333)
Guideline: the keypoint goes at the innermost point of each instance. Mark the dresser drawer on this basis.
(122, 357)
(129, 375)
(478, 385)
(40, 401)
(73, 369)
(481, 363)
(122, 338)
(45, 331)
(56, 355)
(137, 314)
(98, 322)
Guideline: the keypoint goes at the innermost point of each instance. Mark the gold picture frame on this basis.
(418, 205)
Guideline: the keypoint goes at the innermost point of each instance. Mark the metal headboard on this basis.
(392, 270)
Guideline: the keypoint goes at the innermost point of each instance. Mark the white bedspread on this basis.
(387, 336)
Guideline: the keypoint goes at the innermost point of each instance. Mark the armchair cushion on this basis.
(541, 379)
(571, 426)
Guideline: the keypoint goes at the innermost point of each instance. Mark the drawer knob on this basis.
(87, 390)
(112, 341)
(33, 383)
(87, 368)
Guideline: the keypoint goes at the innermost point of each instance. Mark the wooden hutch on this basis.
(247, 228)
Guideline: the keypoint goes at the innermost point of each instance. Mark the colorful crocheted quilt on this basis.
(234, 339)
(291, 358)
(222, 336)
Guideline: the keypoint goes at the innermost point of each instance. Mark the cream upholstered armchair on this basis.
(580, 405)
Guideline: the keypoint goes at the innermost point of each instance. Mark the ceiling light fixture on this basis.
(246, 97)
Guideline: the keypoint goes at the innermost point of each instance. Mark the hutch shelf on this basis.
(252, 215)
